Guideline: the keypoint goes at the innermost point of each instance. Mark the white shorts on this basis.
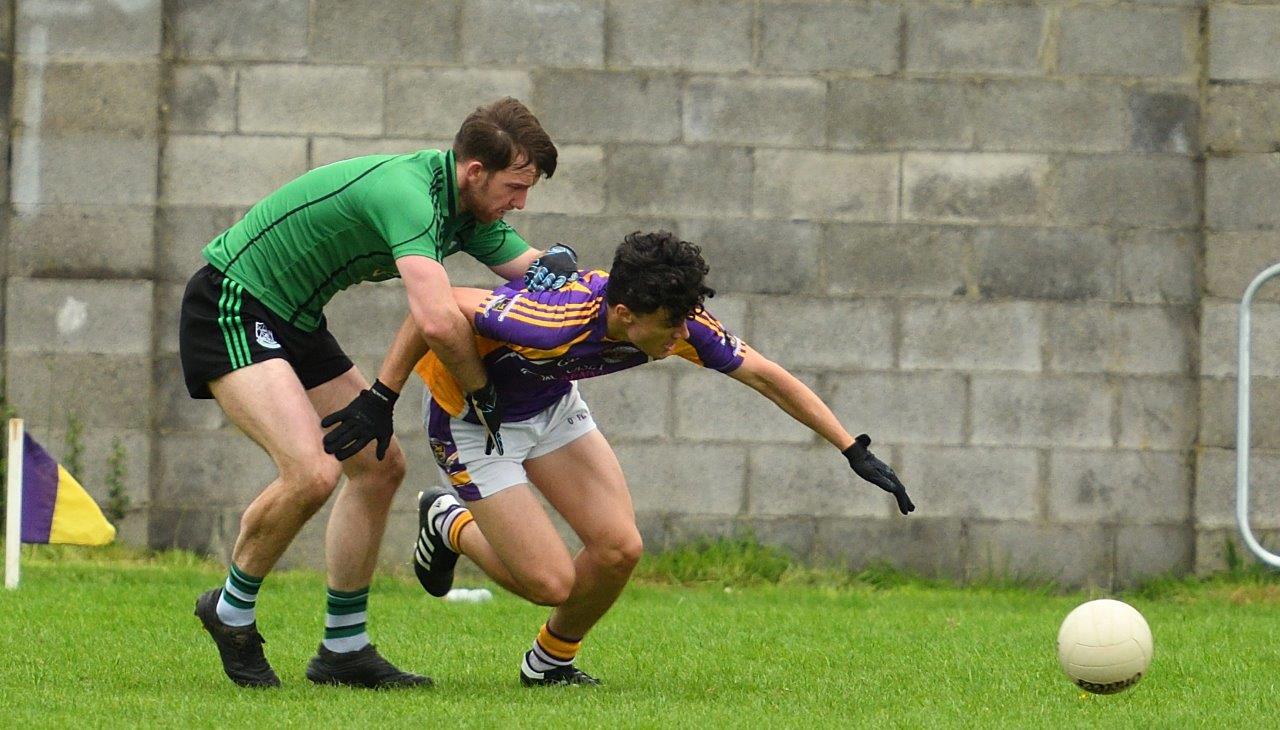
(458, 446)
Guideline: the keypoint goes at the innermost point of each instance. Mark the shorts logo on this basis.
(265, 337)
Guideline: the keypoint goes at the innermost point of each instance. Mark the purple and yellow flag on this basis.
(55, 508)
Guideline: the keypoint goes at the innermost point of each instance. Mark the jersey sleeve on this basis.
(541, 320)
(711, 345)
(405, 216)
(493, 244)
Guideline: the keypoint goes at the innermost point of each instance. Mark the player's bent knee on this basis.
(389, 471)
(314, 482)
(620, 553)
(549, 588)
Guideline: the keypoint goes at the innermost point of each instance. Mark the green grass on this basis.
(723, 635)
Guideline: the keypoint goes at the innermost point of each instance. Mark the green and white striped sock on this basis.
(344, 620)
(239, 598)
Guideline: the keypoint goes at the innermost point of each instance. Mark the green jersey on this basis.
(348, 222)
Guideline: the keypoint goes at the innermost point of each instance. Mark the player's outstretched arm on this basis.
(791, 395)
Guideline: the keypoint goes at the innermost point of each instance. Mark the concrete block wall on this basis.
(1006, 239)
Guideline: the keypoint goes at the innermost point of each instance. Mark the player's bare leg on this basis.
(268, 404)
(584, 483)
(352, 540)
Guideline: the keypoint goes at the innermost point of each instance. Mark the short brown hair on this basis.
(502, 133)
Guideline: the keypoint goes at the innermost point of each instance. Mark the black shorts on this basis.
(224, 328)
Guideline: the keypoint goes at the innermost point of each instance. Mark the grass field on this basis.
(89, 642)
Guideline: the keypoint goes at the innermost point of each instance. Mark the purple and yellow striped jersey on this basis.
(534, 344)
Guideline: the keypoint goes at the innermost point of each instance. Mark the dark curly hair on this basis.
(652, 271)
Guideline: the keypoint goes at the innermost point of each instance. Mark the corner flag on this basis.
(45, 503)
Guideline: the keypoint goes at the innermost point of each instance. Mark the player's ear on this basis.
(474, 171)
(623, 313)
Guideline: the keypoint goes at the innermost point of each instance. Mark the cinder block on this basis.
(1127, 41)
(578, 185)
(77, 241)
(83, 169)
(78, 316)
(46, 388)
(771, 257)
(1005, 40)
(1164, 121)
(899, 260)
(292, 99)
(999, 484)
(672, 33)
(820, 37)
(99, 446)
(712, 407)
(367, 31)
(971, 336)
(607, 106)
(1216, 488)
(228, 171)
(1238, 192)
(1219, 337)
(848, 187)
(1243, 39)
(1234, 258)
(755, 110)
(87, 30)
(325, 150)
(210, 468)
(200, 97)
(1126, 190)
(1135, 340)
(433, 102)
(1212, 548)
(1048, 116)
(365, 318)
(168, 311)
(202, 530)
(1218, 413)
(1158, 267)
(1145, 487)
(176, 410)
(918, 544)
(530, 32)
(1157, 413)
(1069, 556)
(1242, 118)
(901, 408)
(973, 188)
(1011, 410)
(68, 98)
(817, 334)
(793, 535)
(679, 180)
(183, 231)
(1042, 263)
(799, 481)
(1144, 552)
(631, 405)
(701, 479)
(882, 114)
(240, 29)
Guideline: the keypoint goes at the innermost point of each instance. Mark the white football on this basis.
(1104, 646)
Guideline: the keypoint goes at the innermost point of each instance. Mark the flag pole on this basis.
(13, 506)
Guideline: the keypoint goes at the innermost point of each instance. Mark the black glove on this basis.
(365, 418)
(483, 408)
(553, 269)
(867, 466)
